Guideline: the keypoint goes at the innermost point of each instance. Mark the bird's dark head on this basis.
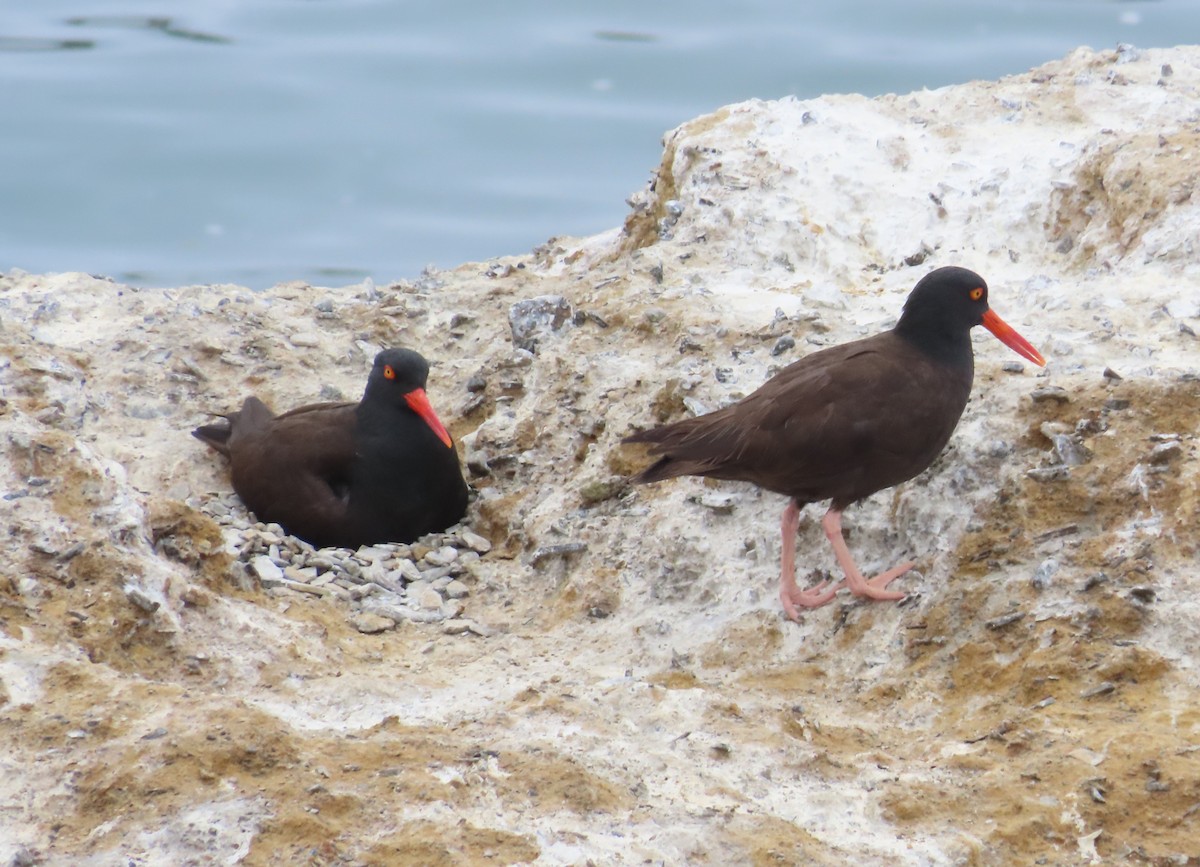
(946, 304)
(948, 297)
(397, 372)
(399, 376)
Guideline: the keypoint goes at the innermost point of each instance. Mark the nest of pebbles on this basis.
(381, 586)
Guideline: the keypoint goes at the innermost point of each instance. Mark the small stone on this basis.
(407, 571)
(371, 554)
(457, 589)
(456, 627)
(1049, 474)
(1143, 595)
(600, 490)
(393, 581)
(442, 556)
(533, 319)
(266, 570)
(1004, 620)
(722, 504)
(1013, 367)
(783, 344)
(563, 550)
(196, 596)
(429, 599)
(140, 599)
(310, 589)
(433, 574)
(1055, 393)
(369, 623)
(1044, 572)
(301, 574)
(476, 542)
(1165, 453)
(1103, 688)
(401, 612)
(1070, 451)
(304, 340)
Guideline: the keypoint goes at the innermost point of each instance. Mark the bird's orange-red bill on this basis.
(1010, 338)
(419, 402)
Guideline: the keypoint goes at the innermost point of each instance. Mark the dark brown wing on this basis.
(839, 424)
(295, 468)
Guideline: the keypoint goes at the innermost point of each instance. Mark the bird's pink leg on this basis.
(859, 586)
(789, 593)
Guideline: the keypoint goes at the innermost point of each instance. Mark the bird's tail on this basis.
(215, 435)
(663, 468)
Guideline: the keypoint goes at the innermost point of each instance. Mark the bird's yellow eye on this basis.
(388, 373)
(976, 293)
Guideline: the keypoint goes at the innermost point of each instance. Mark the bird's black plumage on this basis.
(849, 420)
(381, 470)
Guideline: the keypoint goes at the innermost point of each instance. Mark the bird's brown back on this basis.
(839, 424)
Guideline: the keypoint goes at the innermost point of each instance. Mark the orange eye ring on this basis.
(388, 373)
(977, 293)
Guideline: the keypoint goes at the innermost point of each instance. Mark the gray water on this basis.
(258, 141)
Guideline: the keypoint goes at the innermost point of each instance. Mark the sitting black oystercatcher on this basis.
(845, 422)
(381, 470)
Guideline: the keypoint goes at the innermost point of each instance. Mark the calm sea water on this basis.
(255, 141)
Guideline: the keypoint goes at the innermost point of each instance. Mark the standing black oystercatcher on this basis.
(845, 422)
(381, 470)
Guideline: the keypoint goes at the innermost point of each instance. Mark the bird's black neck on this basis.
(944, 342)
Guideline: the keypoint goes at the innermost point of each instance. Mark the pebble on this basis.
(443, 556)
(562, 550)
(1056, 393)
(429, 599)
(305, 339)
(407, 570)
(1044, 572)
(476, 542)
(266, 570)
(139, 598)
(783, 344)
(533, 319)
(370, 624)
(462, 625)
(722, 504)
(297, 573)
(380, 585)
(1049, 474)
(1165, 453)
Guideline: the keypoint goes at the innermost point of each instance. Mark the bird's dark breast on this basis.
(405, 482)
(886, 435)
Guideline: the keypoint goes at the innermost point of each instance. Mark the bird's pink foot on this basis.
(813, 597)
(874, 588)
(884, 578)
